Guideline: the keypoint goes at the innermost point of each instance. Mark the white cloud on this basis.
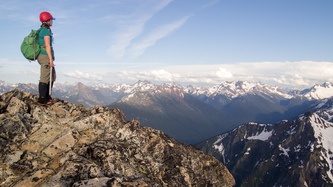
(223, 73)
(285, 74)
(300, 74)
(34, 72)
(156, 75)
(162, 75)
(81, 75)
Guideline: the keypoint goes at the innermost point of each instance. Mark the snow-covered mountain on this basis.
(245, 101)
(230, 90)
(318, 92)
(236, 89)
(289, 153)
(234, 102)
(125, 88)
(241, 88)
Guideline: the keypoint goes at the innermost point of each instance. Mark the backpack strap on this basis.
(42, 48)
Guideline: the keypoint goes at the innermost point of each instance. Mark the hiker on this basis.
(45, 59)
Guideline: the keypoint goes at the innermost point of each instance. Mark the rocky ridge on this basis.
(289, 153)
(68, 145)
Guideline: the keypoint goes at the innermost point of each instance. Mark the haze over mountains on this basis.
(192, 113)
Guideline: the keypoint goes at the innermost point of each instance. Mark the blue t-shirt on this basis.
(44, 32)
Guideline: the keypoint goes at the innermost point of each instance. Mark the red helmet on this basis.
(44, 16)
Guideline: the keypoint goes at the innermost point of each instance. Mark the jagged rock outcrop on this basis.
(68, 145)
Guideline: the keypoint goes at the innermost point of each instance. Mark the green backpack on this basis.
(30, 47)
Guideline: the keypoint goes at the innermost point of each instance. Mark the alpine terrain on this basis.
(174, 112)
(64, 144)
(294, 152)
(244, 101)
(190, 113)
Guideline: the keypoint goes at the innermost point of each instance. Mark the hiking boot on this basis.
(41, 104)
(43, 99)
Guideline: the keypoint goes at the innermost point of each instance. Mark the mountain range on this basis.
(173, 111)
(262, 134)
(190, 113)
(294, 152)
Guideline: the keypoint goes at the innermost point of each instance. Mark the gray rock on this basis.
(68, 145)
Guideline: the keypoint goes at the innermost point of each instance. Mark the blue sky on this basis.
(278, 42)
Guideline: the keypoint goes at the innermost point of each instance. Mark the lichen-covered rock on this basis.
(67, 145)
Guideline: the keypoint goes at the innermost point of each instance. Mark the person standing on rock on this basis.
(45, 59)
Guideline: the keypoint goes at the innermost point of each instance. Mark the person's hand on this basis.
(51, 64)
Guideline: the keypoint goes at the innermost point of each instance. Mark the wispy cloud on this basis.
(131, 26)
(211, 3)
(125, 35)
(7, 5)
(138, 48)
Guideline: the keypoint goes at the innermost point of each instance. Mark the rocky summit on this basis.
(64, 144)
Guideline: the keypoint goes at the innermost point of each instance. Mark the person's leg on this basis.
(43, 60)
(42, 88)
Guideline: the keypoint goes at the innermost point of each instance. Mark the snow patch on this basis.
(298, 148)
(263, 136)
(127, 98)
(322, 103)
(218, 145)
(292, 130)
(247, 151)
(284, 151)
(324, 135)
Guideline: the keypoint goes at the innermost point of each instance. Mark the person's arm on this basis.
(47, 41)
